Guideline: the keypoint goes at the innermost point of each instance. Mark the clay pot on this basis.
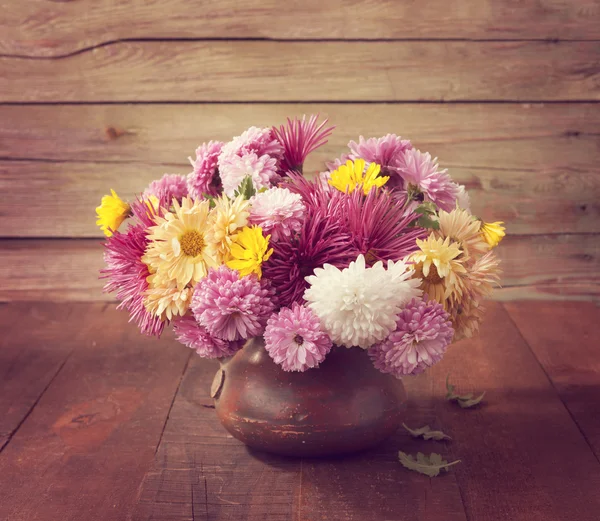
(345, 405)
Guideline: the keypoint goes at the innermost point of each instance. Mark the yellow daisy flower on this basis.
(438, 265)
(226, 219)
(493, 232)
(350, 176)
(111, 213)
(249, 250)
(178, 249)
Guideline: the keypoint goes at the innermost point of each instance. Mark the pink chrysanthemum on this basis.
(190, 333)
(423, 333)
(262, 170)
(127, 275)
(278, 212)
(260, 141)
(323, 238)
(386, 151)
(299, 138)
(380, 227)
(229, 307)
(294, 339)
(424, 181)
(204, 180)
(167, 188)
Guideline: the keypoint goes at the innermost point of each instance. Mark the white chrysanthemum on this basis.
(358, 306)
(462, 199)
(278, 212)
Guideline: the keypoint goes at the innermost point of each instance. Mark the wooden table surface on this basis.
(100, 423)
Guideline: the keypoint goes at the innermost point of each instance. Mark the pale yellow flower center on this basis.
(192, 243)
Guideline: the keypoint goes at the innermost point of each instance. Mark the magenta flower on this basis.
(424, 181)
(232, 308)
(278, 212)
(379, 226)
(423, 333)
(204, 180)
(190, 333)
(294, 339)
(167, 188)
(299, 138)
(127, 274)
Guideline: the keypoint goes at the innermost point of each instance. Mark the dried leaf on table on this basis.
(429, 465)
(426, 433)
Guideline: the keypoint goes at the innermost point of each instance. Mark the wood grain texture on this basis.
(523, 458)
(564, 338)
(540, 266)
(57, 28)
(309, 71)
(201, 472)
(533, 166)
(84, 448)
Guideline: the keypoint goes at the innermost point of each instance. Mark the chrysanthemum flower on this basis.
(438, 264)
(493, 232)
(424, 181)
(190, 333)
(204, 179)
(385, 151)
(127, 275)
(299, 138)
(230, 307)
(167, 188)
(466, 316)
(249, 251)
(462, 198)
(178, 249)
(462, 228)
(422, 335)
(294, 339)
(278, 212)
(111, 213)
(165, 299)
(322, 239)
(226, 219)
(357, 306)
(260, 141)
(262, 170)
(352, 175)
(379, 226)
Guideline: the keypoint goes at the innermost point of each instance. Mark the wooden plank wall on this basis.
(112, 94)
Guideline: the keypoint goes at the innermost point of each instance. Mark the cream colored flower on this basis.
(179, 250)
(462, 228)
(165, 299)
(226, 219)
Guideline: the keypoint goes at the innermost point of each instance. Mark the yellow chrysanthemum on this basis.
(438, 264)
(249, 250)
(350, 176)
(111, 213)
(492, 232)
(226, 219)
(165, 299)
(178, 249)
(462, 228)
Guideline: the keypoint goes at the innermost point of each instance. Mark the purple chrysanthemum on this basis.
(299, 138)
(379, 226)
(386, 151)
(167, 188)
(423, 333)
(127, 274)
(424, 181)
(294, 339)
(204, 180)
(190, 333)
(229, 307)
(278, 212)
(323, 239)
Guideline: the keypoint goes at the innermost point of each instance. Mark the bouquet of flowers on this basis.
(379, 251)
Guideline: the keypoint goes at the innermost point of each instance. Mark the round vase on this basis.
(345, 405)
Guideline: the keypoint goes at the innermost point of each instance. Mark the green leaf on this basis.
(425, 221)
(464, 400)
(429, 465)
(210, 199)
(246, 188)
(426, 433)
